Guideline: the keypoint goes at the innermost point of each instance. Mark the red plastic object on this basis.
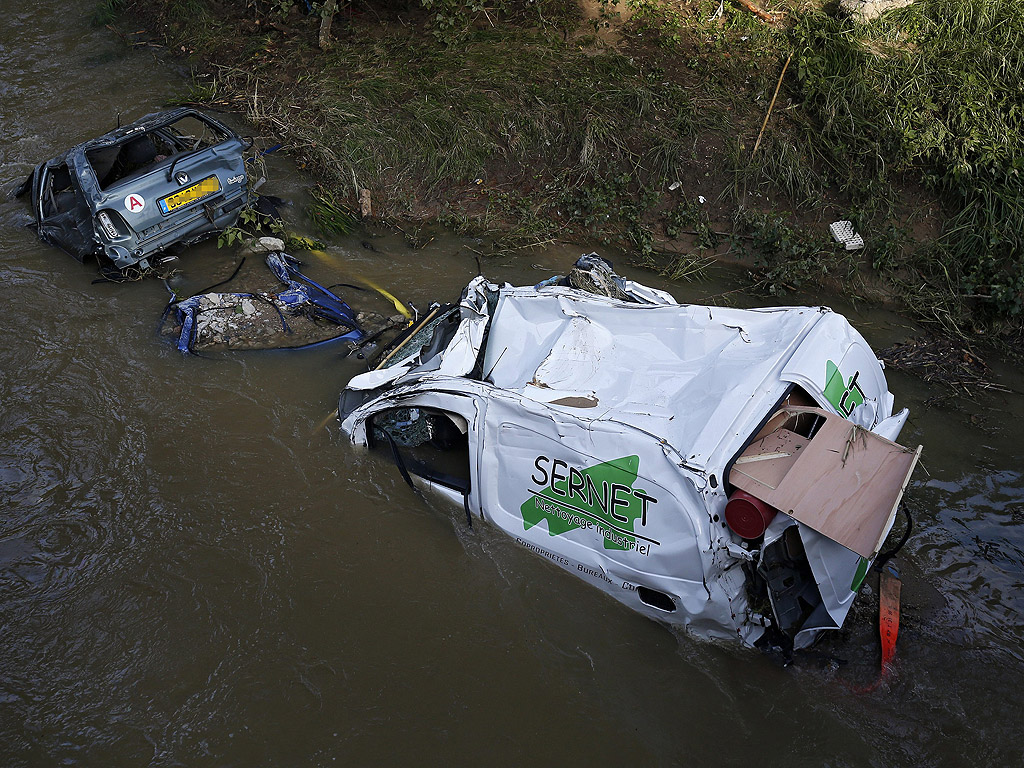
(747, 515)
(888, 614)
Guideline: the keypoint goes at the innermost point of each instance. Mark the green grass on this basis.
(518, 118)
(107, 12)
(932, 91)
(448, 115)
(330, 216)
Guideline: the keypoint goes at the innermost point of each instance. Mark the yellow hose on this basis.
(370, 284)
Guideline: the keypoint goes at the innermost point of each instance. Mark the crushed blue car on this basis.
(294, 312)
(265, 319)
(171, 178)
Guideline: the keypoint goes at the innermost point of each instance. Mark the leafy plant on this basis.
(450, 19)
(785, 257)
(658, 21)
(689, 217)
(329, 216)
(252, 224)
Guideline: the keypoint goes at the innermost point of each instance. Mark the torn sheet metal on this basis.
(601, 432)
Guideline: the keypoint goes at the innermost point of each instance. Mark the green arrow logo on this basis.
(601, 498)
(844, 395)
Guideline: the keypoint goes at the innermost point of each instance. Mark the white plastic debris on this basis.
(864, 11)
(674, 186)
(844, 233)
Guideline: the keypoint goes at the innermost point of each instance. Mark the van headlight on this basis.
(107, 225)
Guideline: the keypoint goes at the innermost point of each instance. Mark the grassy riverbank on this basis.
(541, 119)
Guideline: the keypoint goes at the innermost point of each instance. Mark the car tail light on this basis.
(108, 225)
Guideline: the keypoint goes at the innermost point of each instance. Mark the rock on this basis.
(262, 245)
(869, 10)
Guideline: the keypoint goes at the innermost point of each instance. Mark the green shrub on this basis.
(933, 90)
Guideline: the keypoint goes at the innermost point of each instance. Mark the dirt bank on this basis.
(551, 121)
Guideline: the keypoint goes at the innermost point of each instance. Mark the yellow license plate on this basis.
(197, 191)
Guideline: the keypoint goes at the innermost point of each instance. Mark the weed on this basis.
(329, 216)
(689, 266)
(782, 165)
(612, 208)
(786, 258)
(689, 217)
(252, 224)
(107, 12)
(203, 90)
(657, 21)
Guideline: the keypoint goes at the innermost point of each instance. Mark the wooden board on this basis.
(845, 483)
(766, 461)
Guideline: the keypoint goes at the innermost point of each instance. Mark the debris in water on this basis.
(844, 233)
(301, 314)
(940, 360)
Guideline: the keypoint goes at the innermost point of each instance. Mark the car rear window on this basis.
(140, 152)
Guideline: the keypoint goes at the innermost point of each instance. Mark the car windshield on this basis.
(140, 152)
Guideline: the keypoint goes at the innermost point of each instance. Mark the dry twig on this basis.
(757, 11)
(771, 106)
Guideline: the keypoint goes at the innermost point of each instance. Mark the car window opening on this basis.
(141, 153)
(425, 338)
(432, 444)
(803, 424)
(57, 194)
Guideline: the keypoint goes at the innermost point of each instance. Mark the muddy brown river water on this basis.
(191, 574)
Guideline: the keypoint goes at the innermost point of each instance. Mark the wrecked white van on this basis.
(727, 470)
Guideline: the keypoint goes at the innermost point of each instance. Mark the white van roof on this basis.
(692, 376)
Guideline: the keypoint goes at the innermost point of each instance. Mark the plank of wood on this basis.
(765, 462)
(845, 484)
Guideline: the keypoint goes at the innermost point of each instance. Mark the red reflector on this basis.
(746, 515)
